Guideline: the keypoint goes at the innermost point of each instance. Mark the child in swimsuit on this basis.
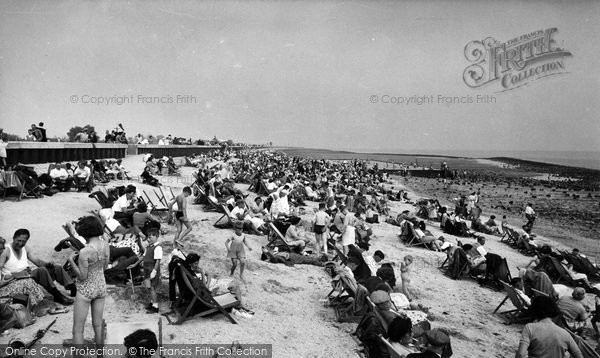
(405, 275)
(235, 249)
(321, 220)
(90, 283)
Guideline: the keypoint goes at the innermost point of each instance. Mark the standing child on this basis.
(235, 249)
(322, 220)
(151, 263)
(405, 275)
(181, 218)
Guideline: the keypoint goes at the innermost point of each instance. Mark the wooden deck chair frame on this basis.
(518, 315)
(225, 220)
(212, 206)
(188, 162)
(212, 302)
(415, 241)
(390, 348)
(200, 197)
(338, 253)
(344, 295)
(107, 231)
(563, 275)
(347, 313)
(161, 212)
(513, 237)
(275, 236)
(262, 188)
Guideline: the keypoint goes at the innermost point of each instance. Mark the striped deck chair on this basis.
(202, 296)
(225, 221)
(518, 315)
(276, 239)
(156, 206)
(496, 271)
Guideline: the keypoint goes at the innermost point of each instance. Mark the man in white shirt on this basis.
(83, 177)
(60, 177)
(124, 206)
(530, 215)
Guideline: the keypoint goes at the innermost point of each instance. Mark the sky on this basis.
(296, 73)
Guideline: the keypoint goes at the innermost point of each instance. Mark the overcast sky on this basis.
(298, 73)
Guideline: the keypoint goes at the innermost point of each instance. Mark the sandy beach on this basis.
(289, 313)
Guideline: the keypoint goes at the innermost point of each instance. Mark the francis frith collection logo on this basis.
(514, 63)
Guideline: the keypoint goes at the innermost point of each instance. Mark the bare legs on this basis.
(80, 311)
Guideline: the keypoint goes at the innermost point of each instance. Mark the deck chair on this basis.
(390, 348)
(518, 315)
(188, 162)
(512, 238)
(342, 292)
(354, 311)
(213, 204)
(582, 264)
(114, 333)
(459, 264)
(276, 239)
(563, 275)
(224, 222)
(156, 207)
(262, 188)
(414, 239)
(199, 194)
(497, 271)
(216, 304)
(338, 253)
(527, 249)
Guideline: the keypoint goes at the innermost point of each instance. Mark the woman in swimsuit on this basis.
(91, 286)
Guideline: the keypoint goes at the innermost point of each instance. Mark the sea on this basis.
(454, 158)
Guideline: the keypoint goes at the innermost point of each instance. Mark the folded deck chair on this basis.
(202, 296)
(276, 239)
(496, 271)
(224, 222)
(459, 264)
(518, 315)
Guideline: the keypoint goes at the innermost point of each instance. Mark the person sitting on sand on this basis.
(14, 261)
(11, 287)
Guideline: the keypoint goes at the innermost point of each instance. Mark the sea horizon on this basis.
(577, 159)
